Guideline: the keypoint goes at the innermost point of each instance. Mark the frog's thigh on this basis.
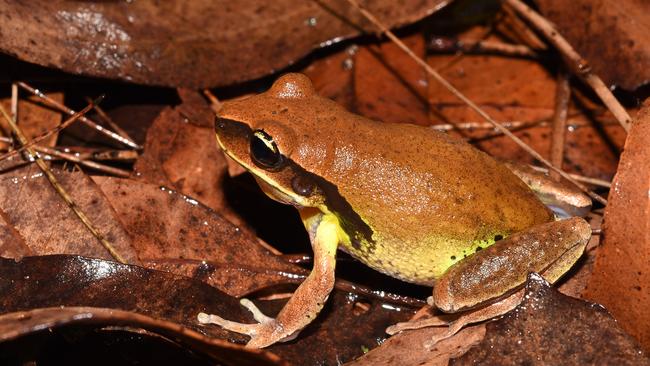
(565, 199)
(549, 249)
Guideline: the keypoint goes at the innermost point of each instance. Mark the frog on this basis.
(406, 200)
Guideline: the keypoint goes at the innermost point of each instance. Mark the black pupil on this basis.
(263, 154)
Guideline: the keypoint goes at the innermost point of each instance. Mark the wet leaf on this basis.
(175, 43)
(75, 344)
(348, 326)
(548, 328)
(130, 295)
(46, 225)
(622, 269)
(614, 38)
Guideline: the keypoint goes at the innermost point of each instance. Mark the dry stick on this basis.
(482, 46)
(558, 127)
(83, 119)
(76, 159)
(56, 129)
(105, 155)
(55, 183)
(109, 121)
(578, 65)
(511, 125)
(515, 28)
(471, 104)
(83, 158)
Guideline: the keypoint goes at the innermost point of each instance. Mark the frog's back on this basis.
(428, 199)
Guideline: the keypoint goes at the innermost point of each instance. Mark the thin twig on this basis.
(470, 103)
(482, 46)
(88, 163)
(56, 129)
(510, 25)
(110, 134)
(102, 155)
(511, 125)
(576, 63)
(558, 127)
(109, 121)
(55, 183)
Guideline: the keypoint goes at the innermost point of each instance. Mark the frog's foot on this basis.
(266, 332)
(564, 199)
(434, 321)
(454, 326)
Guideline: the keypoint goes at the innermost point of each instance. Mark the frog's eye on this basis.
(264, 151)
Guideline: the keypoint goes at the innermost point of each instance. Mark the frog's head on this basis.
(269, 135)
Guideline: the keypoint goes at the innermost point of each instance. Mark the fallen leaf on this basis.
(389, 85)
(165, 225)
(622, 269)
(182, 153)
(47, 225)
(614, 38)
(34, 118)
(409, 348)
(348, 326)
(72, 343)
(195, 44)
(134, 296)
(548, 328)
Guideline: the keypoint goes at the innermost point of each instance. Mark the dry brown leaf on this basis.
(47, 225)
(621, 275)
(614, 37)
(181, 152)
(165, 225)
(389, 85)
(178, 43)
(34, 118)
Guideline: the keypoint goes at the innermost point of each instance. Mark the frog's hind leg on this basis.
(564, 199)
(458, 322)
(307, 300)
(500, 271)
(549, 249)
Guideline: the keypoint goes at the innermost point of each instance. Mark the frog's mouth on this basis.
(268, 185)
(276, 194)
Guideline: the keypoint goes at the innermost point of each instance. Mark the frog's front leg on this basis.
(308, 299)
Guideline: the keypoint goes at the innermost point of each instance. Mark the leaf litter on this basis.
(164, 228)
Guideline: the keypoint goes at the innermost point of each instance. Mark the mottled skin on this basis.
(405, 200)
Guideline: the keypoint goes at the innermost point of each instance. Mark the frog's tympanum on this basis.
(405, 200)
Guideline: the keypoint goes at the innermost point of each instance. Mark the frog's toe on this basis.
(435, 321)
(264, 333)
